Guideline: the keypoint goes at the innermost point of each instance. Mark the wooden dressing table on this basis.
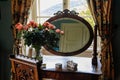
(84, 71)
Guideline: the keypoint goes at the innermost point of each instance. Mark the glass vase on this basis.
(38, 55)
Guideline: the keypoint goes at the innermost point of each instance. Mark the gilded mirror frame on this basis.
(71, 14)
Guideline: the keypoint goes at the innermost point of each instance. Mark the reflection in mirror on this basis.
(78, 33)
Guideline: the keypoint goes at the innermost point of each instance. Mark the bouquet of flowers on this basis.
(37, 35)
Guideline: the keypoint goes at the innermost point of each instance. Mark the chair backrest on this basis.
(24, 68)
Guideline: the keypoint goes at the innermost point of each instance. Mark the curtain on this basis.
(20, 12)
(102, 14)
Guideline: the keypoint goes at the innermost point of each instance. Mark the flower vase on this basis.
(38, 55)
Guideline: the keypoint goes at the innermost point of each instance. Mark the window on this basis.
(44, 9)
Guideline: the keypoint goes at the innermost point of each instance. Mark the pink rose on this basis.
(19, 26)
(31, 22)
(61, 32)
(46, 29)
(46, 24)
(26, 27)
(51, 26)
(57, 30)
(29, 25)
(35, 25)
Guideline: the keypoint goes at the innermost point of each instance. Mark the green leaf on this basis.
(40, 26)
(19, 34)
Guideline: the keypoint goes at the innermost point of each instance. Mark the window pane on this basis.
(49, 7)
(81, 7)
(42, 20)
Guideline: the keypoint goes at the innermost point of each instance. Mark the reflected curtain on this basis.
(20, 12)
(102, 14)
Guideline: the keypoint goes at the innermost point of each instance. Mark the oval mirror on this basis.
(78, 34)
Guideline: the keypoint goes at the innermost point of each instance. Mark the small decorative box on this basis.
(43, 65)
(58, 66)
(72, 66)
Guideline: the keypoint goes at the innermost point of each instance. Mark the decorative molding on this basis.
(66, 11)
(24, 72)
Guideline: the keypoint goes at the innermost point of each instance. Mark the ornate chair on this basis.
(24, 68)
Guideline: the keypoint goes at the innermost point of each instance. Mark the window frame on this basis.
(35, 10)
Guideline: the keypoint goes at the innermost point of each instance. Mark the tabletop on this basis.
(84, 64)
